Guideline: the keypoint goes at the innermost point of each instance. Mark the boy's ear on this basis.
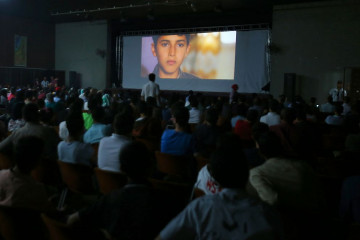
(153, 50)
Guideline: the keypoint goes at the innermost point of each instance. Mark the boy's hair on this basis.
(152, 77)
(228, 163)
(123, 123)
(135, 160)
(75, 124)
(269, 144)
(27, 153)
(181, 114)
(98, 113)
(30, 113)
(156, 37)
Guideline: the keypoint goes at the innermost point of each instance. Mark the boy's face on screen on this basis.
(170, 51)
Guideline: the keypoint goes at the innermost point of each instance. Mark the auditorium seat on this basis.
(109, 181)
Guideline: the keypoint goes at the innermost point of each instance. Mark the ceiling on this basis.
(141, 10)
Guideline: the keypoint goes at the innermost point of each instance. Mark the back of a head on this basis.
(181, 114)
(152, 77)
(123, 123)
(274, 106)
(98, 114)
(75, 124)
(252, 116)
(288, 115)
(27, 153)
(269, 144)
(31, 113)
(228, 163)
(211, 116)
(135, 160)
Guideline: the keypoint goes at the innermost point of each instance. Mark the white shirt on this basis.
(109, 150)
(337, 94)
(194, 115)
(63, 131)
(206, 182)
(150, 89)
(271, 118)
(75, 152)
(230, 214)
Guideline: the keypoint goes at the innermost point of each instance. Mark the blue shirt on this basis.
(96, 132)
(75, 152)
(177, 143)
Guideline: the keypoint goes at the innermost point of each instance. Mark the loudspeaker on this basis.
(74, 80)
(290, 85)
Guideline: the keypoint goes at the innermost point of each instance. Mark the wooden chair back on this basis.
(77, 177)
(109, 181)
(18, 224)
(172, 164)
(60, 231)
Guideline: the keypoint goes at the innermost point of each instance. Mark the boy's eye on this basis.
(180, 44)
(164, 44)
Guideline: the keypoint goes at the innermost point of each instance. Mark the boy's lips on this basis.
(171, 62)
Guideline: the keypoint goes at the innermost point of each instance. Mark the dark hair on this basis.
(27, 153)
(98, 114)
(75, 124)
(252, 115)
(156, 37)
(135, 160)
(123, 123)
(211, 115)
(269, 144)
(181, 114)
(152, 77)
(31, 113)
(288, 115)
(228, 163)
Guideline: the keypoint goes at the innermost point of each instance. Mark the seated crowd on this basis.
(252, 164)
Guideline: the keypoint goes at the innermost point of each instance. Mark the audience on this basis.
(133, 212)
(276, 149)
(230, 214)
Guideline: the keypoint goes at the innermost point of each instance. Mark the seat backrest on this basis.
(77, 177)
(61, 231)
(5, 162)
(172, 164)
(17, 223)
(109, 181)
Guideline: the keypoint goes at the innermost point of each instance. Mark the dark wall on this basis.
(40, 42)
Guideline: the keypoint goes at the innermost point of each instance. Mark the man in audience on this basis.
(98, 130)
(33, 127)
(177, 141)
(73, 150)
(327, 107)
(110, 147)
(133, 212)
(230, 214)
(283, 181)
(336, 119)
(17, 187)
(272, 117)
